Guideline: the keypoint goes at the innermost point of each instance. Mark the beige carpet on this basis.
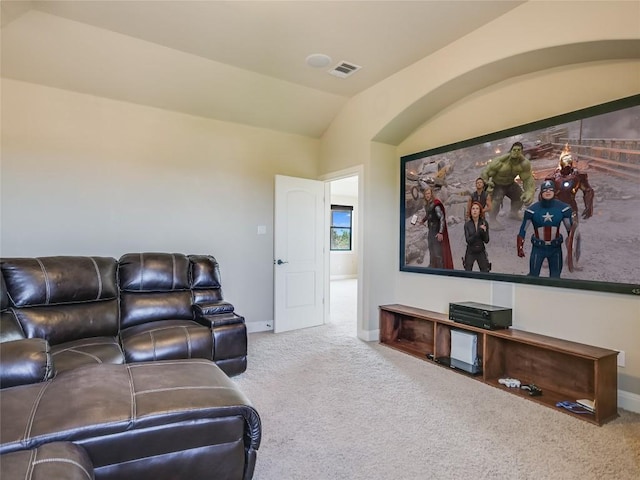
(335, 407)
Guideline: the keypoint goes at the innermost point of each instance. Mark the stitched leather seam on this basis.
(172, 327)
(95, 265)
(63, 460)
(79, 352)
(173, 271)
(10, 297)
(32, 459)
(85, 345)
(47, 287)
(132, 395)
(78, 302)
(160, 363)
(48, 367)
(141, 272)
(186, 334)
(153, 345)
(170, 389)
(15, 314)
(34, 409)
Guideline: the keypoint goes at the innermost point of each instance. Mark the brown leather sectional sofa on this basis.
(119, 369)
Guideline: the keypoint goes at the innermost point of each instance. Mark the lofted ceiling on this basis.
(237, 61)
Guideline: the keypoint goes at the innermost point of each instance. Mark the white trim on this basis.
(359, 237)
(342, 277)
(369, 335)
(255, 327)
(347, 172)
(629, 401)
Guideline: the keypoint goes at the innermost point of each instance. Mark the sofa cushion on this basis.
(59, 280)
(63, 298)
(58, 460)
(119, 398)
(205, 271)
(167, 340)
(141, 308)
(86, 351)
(154, 287)
(64, 323)
(130, 418)
(205, 279)
(153, 272)
(24, 362)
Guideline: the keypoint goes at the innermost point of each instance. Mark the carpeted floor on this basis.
(335, 407)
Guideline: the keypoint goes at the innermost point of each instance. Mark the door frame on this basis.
(328, 178)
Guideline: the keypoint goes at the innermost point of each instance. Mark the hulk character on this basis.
(500, 175)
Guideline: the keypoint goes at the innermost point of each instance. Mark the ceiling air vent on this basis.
(344, 69)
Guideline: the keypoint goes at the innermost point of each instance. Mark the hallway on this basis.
(343, 308)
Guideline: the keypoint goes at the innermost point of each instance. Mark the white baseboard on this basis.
(626, 400)
(629, 401)
(342, 277)
(254, 327)
(369, 335)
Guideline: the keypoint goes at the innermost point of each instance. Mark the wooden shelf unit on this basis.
(564, 370)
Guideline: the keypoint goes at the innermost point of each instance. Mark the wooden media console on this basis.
(563, 370)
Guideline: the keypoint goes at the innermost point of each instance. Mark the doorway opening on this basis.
(344, 253)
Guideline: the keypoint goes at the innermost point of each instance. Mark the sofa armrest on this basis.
(219, 320)
(216, 314)
(25, 361)
(212, 308)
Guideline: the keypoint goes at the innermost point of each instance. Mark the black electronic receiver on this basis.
(480, 315)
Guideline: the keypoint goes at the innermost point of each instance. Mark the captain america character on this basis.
(546, 216)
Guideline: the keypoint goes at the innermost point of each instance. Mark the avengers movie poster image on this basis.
(590, 161)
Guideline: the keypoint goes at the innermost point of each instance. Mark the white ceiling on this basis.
(238, 61)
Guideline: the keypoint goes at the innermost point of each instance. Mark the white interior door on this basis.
(298, 253)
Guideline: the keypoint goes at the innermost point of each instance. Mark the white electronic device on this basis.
(509, 382)
(588, 404)
(464, 346)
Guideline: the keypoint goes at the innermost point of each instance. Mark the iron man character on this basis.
(568, 180)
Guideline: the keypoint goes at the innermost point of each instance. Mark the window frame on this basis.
(332, 227)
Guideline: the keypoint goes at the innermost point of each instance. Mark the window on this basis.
(341, 218)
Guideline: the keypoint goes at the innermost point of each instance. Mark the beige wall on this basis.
(522, 95)
(87, 175)
(524, 99)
